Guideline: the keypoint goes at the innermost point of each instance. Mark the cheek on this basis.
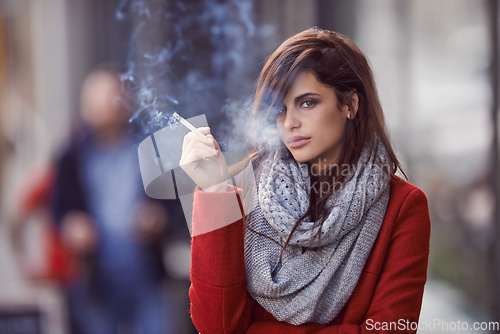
(281, 129)
(333, 127)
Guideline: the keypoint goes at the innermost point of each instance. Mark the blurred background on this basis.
(436, 67)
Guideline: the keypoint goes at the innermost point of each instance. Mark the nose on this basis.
(292, 120)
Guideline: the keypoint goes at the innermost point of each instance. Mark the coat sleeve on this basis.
(218, 291)
(397, 298)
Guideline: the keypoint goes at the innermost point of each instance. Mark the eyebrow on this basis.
(300, 97)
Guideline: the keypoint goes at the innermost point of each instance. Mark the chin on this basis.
(302, 160)
(302, 157)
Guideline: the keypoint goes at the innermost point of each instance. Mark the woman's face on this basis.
(310, 122)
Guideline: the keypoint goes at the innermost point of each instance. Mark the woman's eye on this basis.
(282, 111)
(308, 104)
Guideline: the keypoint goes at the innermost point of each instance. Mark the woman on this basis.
(336, 242)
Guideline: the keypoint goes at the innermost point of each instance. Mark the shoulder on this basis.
(408, 208)
(403, 192)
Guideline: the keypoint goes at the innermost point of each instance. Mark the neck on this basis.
(322, 166)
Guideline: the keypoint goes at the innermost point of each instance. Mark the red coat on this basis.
(388, 294)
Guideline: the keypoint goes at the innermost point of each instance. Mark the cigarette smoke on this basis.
(192, 57)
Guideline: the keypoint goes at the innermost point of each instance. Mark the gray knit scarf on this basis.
(316, 275)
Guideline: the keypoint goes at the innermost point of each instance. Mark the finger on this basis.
(205, 144)
(204, 129)
(201, 145)
(197, 155)
(215, 143)
(194, 136)
(201, 153)
(196, 151)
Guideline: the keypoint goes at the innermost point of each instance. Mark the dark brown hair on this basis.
(338, 63)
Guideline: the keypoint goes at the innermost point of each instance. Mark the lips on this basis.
(297, 141)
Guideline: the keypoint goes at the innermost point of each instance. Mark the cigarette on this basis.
(187, 124)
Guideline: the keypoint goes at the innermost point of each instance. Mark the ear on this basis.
(353, 105)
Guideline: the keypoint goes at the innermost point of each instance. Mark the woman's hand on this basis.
(203, 161)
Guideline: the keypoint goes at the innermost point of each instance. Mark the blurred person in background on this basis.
(106, 221)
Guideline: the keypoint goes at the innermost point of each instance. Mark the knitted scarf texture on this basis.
(321, 266)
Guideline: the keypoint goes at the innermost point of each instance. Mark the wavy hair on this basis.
(338, 63)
